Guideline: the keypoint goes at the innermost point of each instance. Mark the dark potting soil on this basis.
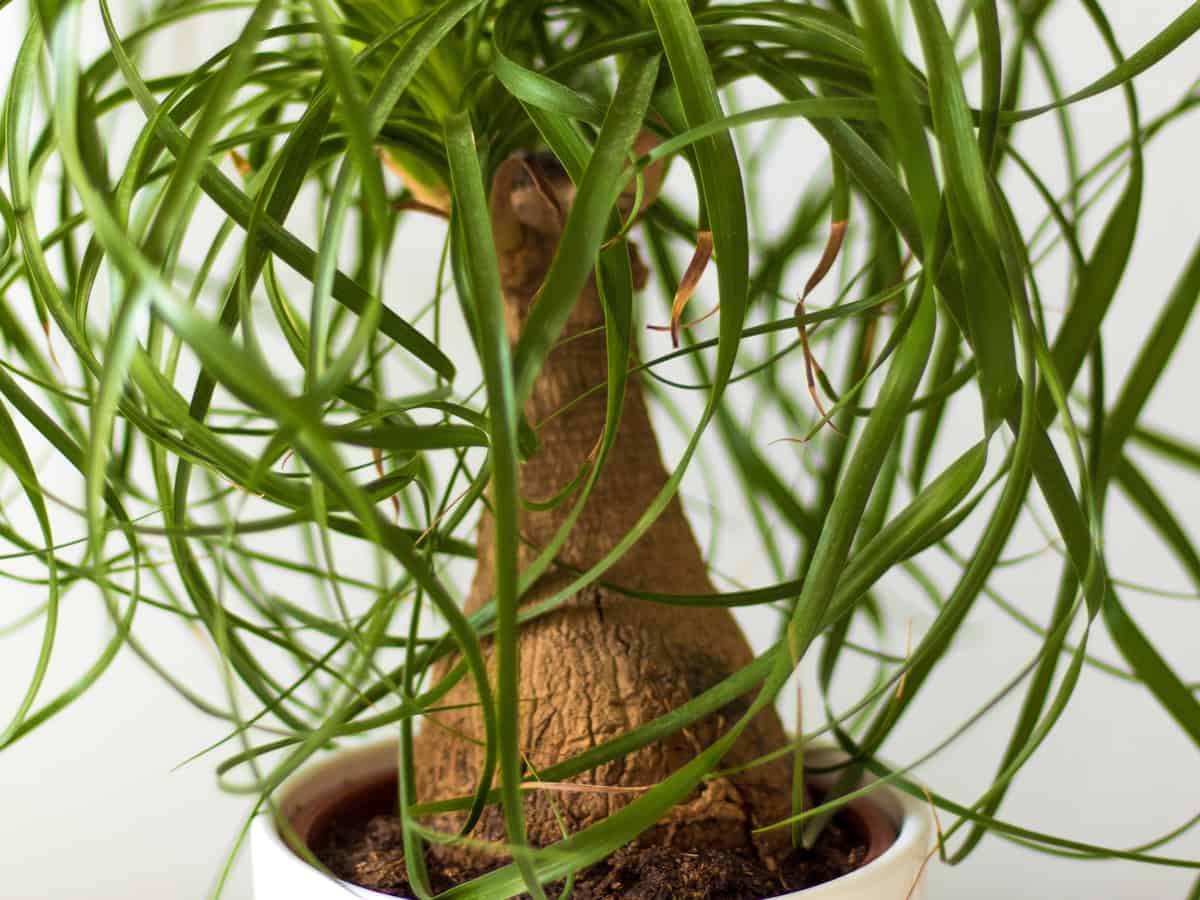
(368, 850)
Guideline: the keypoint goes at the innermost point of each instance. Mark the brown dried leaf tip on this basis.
(50, 349)
(418, 206)
(687, 286)
(241, 164)
(377, 456)
(833, 246)
(434, 199)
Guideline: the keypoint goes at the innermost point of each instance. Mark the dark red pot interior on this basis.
(358, 800)
(870, 820)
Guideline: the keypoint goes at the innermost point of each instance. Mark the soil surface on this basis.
(368, 850)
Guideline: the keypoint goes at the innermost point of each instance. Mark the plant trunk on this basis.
(604, 663)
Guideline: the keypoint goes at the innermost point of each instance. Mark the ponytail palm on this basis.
(251, 388)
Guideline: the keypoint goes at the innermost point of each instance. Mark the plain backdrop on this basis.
(95, 805)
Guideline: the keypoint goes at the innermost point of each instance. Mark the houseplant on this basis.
(205, 401)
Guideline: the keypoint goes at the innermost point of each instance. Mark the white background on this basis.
(91, 806)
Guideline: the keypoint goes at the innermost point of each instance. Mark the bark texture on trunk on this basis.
(605, 663)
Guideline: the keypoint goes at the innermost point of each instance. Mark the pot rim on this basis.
(347, 769)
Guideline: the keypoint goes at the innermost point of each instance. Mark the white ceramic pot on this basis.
(279, 874)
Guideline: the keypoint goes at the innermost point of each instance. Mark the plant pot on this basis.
(309, 796)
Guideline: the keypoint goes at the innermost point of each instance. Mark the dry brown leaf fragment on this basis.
(241, 164)
(687, 286)
(377, 456)
(691, 324)
(434, 196)
(50, 349)
(833, 247)
(418, 206)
